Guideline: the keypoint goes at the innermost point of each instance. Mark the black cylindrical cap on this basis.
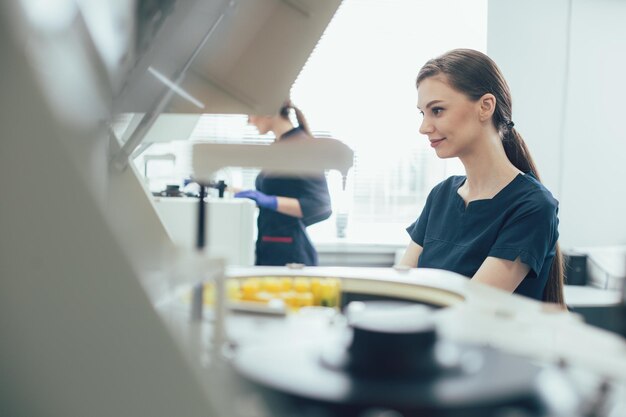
(394, 343)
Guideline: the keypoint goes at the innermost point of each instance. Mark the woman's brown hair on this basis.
(475, 74)
(302, 123)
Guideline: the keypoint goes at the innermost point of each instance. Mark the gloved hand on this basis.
(262, 200)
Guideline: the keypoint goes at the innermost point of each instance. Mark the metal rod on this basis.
(201, 231)
(197, 297)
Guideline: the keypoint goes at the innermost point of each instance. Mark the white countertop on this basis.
(584, 296)
(381, 238)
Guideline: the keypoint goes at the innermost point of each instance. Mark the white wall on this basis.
(564, 61)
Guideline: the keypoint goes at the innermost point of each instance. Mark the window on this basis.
(359, 86)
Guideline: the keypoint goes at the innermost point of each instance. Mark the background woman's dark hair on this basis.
(302, 123)
(475, 74)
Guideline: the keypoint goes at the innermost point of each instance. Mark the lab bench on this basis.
(343, 252)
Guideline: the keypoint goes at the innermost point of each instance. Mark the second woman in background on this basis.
(287, 204)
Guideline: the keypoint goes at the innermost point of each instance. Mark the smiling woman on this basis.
(498, 223)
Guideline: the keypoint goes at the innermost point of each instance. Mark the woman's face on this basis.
(450, 119)
(263, 123)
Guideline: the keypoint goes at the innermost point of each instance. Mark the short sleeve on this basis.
(314, 200)
(417, 230)
(530, 233)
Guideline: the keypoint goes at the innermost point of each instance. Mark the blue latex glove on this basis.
(262, 200)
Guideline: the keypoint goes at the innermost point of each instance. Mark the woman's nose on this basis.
(425, 127)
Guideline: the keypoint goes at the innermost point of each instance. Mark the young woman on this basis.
(287, 205)
(498, 223)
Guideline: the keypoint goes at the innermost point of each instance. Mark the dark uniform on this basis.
(283, 239)
(519, 222)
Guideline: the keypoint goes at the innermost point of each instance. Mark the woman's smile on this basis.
(435, 142)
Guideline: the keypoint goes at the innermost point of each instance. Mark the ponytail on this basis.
(553, 292)
(302, 123)
(518, 154)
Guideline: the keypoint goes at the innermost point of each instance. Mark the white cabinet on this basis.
(230, 229)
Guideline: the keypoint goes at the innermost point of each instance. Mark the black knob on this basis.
(393, 343)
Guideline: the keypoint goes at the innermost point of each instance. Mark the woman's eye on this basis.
(437, 111)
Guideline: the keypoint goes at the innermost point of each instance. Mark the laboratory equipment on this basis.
(85, 266)
(230, 227)
(92, 285)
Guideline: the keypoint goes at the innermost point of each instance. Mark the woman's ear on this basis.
(487, 106)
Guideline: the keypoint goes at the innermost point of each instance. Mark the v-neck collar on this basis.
(464, 207)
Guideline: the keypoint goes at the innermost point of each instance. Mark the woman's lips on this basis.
(435, 142)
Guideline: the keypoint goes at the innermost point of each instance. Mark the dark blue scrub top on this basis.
(520, 221)
(283, 239)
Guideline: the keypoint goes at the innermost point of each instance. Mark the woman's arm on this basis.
(501, 273)
(285, 205)
(411, 255)
(289, 206)
(314, 200)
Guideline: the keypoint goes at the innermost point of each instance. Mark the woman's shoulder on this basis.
(297, 133)
(532, 191)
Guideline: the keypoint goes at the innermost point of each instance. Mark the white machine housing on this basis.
(230, 229)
